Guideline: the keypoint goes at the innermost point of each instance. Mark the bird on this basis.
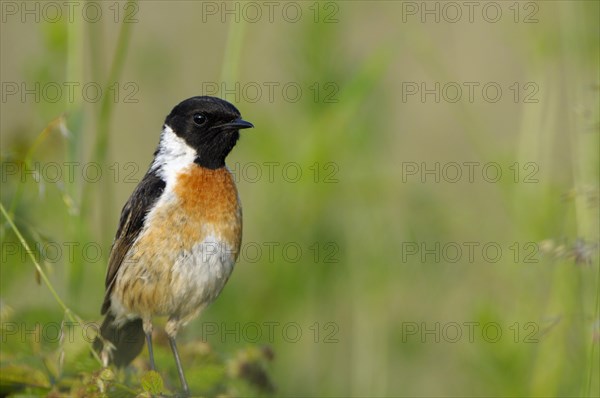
(179, 233)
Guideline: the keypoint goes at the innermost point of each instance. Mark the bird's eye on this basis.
(200, 119)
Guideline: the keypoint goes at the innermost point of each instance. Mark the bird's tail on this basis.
(119, 344)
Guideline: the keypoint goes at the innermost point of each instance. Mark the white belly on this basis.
(199, 275)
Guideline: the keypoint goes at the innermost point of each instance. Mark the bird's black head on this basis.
(210, 126)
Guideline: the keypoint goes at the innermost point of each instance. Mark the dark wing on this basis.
(131, 223)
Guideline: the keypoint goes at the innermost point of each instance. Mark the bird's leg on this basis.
(147, 325)
(184, 383)
(171, 328)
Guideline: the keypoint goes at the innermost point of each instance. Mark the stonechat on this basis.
(179, 233)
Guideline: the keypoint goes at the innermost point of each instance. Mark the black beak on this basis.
(238, 124)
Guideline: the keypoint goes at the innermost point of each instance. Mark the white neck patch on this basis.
(174, 155)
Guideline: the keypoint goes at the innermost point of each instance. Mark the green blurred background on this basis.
(358, 252)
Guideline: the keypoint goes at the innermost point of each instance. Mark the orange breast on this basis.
(209, 197)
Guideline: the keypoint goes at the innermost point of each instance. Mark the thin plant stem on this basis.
(70, 314)
(233, 50)
(104, 119)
